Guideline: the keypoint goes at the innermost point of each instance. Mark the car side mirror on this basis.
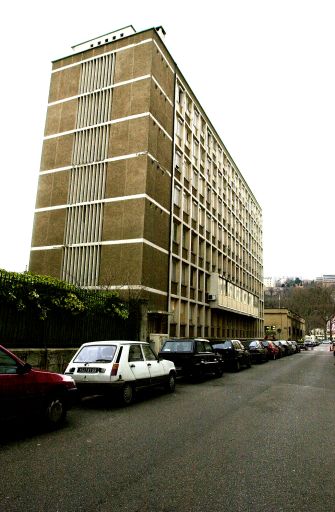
(24, 368)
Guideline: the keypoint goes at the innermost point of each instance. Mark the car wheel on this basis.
(127, 394)
(55, 411)
(218, 372)
(171, 383)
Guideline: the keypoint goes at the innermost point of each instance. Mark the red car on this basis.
(26, 392)
(273, 350)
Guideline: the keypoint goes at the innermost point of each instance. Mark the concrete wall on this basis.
(54, 360)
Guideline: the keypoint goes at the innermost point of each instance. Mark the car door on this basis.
(155, 367)
(18, 393)
(201, 356)
(10, 395)
(211, 358)
(138, 365)
(239, 351)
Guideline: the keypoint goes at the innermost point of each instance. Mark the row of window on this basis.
(193, 277)
(225, 243)
(223, 236)
(216, 195)
(210, 195)
(208, 153)
(195, 320)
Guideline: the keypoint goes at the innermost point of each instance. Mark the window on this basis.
(135, 353)
(193, 277)
(186, 238)
(176, 228)
(7, 364)
(184, 274)
(179, 131)
(195, 152)
(200, 346)
(201, 186)
(188, 105)
(196, 120)
(209, 139)
(175, 271)
(208, 169)
(92, 353)
(194, 210)
(188, 136)
(208, 222)
(209, 195)
(194, 243)
(177, 160)
(180, 97)
(149, 353)
(208, 346)
(186, 169)
(186, 204)
(177, 195)
(202, 216)
(182, 313)
(195, 178)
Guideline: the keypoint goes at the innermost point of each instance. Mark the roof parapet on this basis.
(106, 38)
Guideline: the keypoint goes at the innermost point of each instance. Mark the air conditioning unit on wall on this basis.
(211, 296)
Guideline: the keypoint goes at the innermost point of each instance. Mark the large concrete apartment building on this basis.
(137, 192)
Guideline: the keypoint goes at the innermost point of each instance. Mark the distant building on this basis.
(327, 280)
(283, 324)
(138, 193)
(269, 282)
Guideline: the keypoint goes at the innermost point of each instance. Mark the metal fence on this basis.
(23, 329)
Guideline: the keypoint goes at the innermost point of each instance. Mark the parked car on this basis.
(258, 353)
(295, 345)
(119, 368)
(29, 393)
(292, 347)
(282, 349)
(234, 354)
(309, 344)
(192, 357)
(272, 349)
(288, 349)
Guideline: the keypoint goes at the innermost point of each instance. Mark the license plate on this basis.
(88, 370)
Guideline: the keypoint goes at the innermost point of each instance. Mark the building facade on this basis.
(269, 282)
(283, 324)
(138, 193)
(326, 280)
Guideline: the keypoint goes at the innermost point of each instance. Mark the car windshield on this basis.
(96, 354)
(177, 346)
(225, 344)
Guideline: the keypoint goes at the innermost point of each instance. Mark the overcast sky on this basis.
(264, 72)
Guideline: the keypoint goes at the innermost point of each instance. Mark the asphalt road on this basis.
(259, 440)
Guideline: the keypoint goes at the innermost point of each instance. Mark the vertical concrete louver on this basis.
(88, 175)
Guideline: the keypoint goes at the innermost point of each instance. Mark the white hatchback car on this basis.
(102, 367)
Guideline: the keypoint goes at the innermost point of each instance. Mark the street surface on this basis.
(262, 440)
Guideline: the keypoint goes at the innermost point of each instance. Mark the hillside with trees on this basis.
(313, 301)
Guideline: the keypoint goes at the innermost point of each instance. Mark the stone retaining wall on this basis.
(52, 359)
